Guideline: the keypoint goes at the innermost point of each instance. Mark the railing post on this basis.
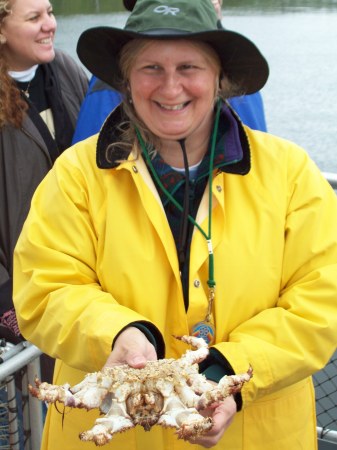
(25, 414)
(35, 407)
(13, 423)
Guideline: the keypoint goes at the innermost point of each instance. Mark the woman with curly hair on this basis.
(41, 90)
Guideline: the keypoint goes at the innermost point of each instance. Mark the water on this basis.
(300, 45)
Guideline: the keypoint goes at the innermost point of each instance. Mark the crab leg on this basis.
(88, 394)
(188, 422)
(105, 427)
(194, 356)
(228, 385)
(52, 393)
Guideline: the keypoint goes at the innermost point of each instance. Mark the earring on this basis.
(3, 39)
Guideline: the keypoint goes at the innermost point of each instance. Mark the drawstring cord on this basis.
(208, 236)
(186, 208)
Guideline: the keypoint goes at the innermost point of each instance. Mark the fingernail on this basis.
(138, 361)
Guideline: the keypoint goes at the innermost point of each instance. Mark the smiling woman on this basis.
(41, 90)
(173, 95)
(29, 33)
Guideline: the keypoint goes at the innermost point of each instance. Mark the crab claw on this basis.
(105, 428)
(194, 356)
(195, 425)
(52, 393)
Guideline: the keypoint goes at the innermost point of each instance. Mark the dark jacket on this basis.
(24, 161)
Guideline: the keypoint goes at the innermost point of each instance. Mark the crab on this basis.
(167, 392)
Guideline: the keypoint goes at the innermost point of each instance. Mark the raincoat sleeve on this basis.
(60, 303)
(297, 334)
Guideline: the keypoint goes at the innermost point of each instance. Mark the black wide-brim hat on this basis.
(242, 62)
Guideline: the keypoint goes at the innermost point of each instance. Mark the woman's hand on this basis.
(222, 414)
(133, 348)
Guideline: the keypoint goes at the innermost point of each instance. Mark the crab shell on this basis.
(166, 392)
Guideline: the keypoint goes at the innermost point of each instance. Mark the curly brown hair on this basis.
(12, 105)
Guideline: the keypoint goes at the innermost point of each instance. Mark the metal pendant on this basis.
(205, 330)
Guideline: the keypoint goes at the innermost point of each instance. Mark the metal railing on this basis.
(332, 178)
(21, 416)
(325, 383)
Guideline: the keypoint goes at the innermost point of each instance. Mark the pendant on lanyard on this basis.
(206, 328)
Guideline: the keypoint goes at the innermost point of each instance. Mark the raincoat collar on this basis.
(236, 155)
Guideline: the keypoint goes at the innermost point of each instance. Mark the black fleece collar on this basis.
(111, 132)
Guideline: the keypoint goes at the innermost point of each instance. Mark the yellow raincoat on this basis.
(106, 257)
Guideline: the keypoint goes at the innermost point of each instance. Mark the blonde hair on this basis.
(12, 105)
(4, 9)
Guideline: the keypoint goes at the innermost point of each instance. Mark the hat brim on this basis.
(98, 49)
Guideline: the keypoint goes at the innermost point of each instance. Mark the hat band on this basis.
(164, 33)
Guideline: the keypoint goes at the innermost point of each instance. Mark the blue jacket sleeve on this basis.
(99, 101)
(250, 109)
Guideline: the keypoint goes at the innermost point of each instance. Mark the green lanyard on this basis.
(211, 282)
